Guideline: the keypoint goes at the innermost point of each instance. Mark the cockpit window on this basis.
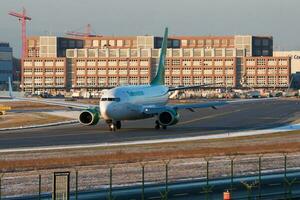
(110, 99)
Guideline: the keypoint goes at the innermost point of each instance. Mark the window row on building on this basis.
(200, 61)
(108, 81)
(267, 81)
(267, 61)
(43, 71)
(205, 41)
(148, 52)
(133, 62)
(105, 71)
(61, 62)
(43, 81)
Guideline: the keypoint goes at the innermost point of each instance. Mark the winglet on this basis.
(10, 88)
(159, 79)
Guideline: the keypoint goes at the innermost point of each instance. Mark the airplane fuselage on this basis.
(127, 102)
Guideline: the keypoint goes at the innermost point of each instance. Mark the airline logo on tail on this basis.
(160, 75)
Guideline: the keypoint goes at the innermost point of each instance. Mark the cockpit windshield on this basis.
(110, 99)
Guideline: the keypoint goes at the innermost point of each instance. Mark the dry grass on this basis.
(118, 156)
(26, 105)
(26, 119)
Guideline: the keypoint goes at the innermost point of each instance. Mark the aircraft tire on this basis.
(118, 125)
(112, 127)
(157, 126)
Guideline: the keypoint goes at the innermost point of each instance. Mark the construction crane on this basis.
(87, 32)
(22, 18)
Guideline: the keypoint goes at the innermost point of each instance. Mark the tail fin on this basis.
(159, 79)
(10, 88)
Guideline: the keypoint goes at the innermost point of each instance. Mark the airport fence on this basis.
(245, 177)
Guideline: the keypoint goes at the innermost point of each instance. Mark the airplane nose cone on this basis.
(107, 111)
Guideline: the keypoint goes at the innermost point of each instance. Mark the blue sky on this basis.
(279, 18)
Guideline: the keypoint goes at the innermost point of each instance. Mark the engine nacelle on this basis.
(168, 117)
(89, 117)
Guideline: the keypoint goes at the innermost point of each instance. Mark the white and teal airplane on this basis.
(135, 102)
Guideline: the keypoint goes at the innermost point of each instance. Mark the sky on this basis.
(279, 18)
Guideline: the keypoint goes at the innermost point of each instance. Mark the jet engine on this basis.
(89, 117)
(168, 117)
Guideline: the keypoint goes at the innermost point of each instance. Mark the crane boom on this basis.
(87, 32)
(22, 18)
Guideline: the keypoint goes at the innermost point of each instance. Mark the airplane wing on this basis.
(152, 110)
(190, 87)
(56, 102)
(199, 105)
(213, 104)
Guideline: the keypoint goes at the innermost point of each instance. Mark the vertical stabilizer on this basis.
(159, 79)
(10, 88)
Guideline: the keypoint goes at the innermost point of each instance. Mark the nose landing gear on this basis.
(114, 125)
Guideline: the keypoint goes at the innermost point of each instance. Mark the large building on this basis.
(295, 65)
(6, 64)
(58, 64)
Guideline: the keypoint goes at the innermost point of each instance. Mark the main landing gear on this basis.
(157, 126)
(114, 125)
(118, 124)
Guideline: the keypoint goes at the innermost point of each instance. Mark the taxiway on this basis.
(229, 118)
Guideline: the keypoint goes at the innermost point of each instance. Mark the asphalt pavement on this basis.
(229, 118)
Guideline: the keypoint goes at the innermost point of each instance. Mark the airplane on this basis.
(136, 102)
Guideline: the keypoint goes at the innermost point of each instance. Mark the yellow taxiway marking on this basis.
(210, 116)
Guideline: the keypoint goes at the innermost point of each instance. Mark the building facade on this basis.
(57, 64)
(6, 64)
(266, 72)
(295, 65)
(295, 59)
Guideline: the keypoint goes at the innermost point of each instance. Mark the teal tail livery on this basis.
(159, 79)
(134, 102)
(10, 87)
